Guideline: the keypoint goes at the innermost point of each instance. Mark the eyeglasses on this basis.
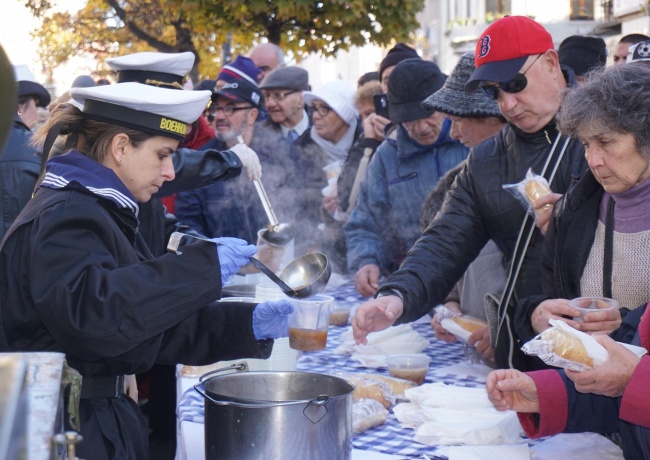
(279, 96)
(322, 110)
(227, 110)
(516, 85)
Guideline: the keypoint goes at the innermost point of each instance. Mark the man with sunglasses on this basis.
(516, 65)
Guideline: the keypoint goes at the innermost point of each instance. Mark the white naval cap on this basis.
(161, 111)
(151, 68)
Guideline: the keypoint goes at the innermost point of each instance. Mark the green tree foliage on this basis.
(105, 28)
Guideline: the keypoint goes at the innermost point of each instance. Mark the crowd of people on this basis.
(410, 201)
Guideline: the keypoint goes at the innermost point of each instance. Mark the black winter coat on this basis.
(76, 277)
(478, 209)
(567, 245)
(19, 169)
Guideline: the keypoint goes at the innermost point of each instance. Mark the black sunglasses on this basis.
(517, 84)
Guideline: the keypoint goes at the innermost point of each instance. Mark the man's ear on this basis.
(252, 115)
(551, 59)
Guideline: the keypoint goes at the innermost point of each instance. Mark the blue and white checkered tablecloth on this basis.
(392, 437)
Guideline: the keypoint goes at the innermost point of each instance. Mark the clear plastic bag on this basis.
(462, 326)
(366, 414)
(369, 388)
(529, 190)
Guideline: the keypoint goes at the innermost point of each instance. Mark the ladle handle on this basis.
(275, 278)
(266, 203)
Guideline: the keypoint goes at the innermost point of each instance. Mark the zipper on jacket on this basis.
(548, 139)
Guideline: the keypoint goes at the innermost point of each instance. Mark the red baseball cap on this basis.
(503, 48)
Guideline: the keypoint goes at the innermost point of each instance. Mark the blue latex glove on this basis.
(271, 319)
(233, 254)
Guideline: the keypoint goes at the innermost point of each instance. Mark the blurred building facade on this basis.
(450, 28)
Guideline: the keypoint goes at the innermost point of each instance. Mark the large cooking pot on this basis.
(277, 415)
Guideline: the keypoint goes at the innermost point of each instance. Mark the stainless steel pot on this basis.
(277, 415)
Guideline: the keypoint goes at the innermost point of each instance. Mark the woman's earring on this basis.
(20, 112)
(120, 162)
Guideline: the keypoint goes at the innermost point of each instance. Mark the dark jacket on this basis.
(194, 169)
(567, 247)
(310, 177)
(77, 278)
(19, 169)
(233, 208)
(478, 209)
(385, 221)
(345, 181)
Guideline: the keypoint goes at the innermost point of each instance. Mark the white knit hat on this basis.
(337, 94)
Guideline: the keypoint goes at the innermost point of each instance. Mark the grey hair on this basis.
(616, 99)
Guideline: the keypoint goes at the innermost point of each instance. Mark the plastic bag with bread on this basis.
(370, 388)
(366, 414)
(462, 326)
(566, 347)
(529, 190)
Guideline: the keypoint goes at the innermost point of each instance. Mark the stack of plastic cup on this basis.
(283, 357)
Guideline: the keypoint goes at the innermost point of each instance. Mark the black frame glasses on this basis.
(227, 110)
(278, 96)
(323, 110)
(517, 84)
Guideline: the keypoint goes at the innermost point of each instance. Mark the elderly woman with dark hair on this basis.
(610, 203)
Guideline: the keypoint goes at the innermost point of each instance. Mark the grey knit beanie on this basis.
(453, 100)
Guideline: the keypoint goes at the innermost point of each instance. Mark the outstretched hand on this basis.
(376, 315)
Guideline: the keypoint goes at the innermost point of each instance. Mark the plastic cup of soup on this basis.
(340, 315)
(412, 367)
(309, 322)
(591, 304)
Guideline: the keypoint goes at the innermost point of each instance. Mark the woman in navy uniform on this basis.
(77, 277)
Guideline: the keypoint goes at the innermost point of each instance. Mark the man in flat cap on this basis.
(517, 66)
(19, 162)
(282, 90)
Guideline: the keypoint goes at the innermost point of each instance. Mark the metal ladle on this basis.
(276, 233)
(310, 273)
(268, 272)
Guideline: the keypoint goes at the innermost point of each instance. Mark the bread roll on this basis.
(536, 189)
(567, 346)
(469, 323)
(371, 389)
(397, 386)
(367, 414)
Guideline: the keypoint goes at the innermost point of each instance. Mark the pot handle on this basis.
(240, 366)
(316, 409)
